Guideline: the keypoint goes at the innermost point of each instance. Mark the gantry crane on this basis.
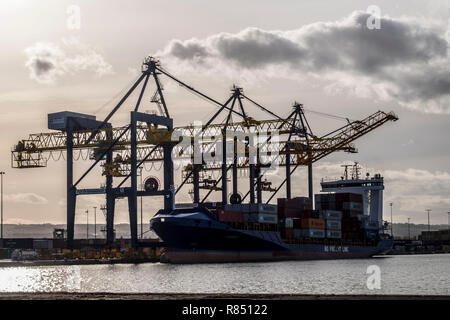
(288, 142)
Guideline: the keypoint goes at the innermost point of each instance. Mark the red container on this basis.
(230, 216)
(297, 223)
(281, 202)
(288, 233)
(307, 213)
(294, 203)
(351, 224)
(289, 213)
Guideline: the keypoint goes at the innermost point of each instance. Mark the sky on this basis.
(334, 58)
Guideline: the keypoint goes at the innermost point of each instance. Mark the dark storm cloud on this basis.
(187, 50)
(48, 61)
(41, 66)
(405, 59)
(255, 48)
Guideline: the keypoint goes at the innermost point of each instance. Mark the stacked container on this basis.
(226, 215)
(255, 213)
(299, 207)
(333, 223)
(351, 204)
(309, 228)
(325, 201)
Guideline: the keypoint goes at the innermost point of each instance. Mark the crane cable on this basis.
(116, 95)
(331, 116)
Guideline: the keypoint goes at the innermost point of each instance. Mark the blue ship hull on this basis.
(195, 236)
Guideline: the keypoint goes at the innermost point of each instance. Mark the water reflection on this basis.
(427, 274)
(40, 279)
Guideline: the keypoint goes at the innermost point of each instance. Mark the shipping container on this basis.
(297, 223)
(230, 216)
(294, 203)
(333, 225)
(289, 223)
(245, 208)
(334, 234)
(309, 233)
(331, 215)
(355, 206)
(267, 208)
(325, 206)
(351, 224)
(252, 208)
(251, 217)
(284, 212)
(351, 213)
(287, 233)
(325, 197)
(311, 223)
(267, 218)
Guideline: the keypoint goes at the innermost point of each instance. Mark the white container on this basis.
(334, 234)
(289, 223)
(331, 214)
(333, 225)
(310, 233)
(267, 218)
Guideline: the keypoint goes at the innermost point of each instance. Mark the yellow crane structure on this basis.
(250, 144)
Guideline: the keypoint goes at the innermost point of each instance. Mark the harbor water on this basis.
(408, 274)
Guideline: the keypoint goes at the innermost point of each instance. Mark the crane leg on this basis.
(132, 197)
(310, 185)
(169, 200)
(110, 199)
(71, 194)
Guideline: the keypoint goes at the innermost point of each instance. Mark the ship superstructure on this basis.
(371, 189)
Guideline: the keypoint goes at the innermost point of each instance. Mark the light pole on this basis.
(392, 222)
(87, 224)
(142, 230)
(428, 210)
(409, 231)
(95, 223)
(1, 175)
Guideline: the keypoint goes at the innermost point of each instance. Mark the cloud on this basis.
(27, 198)
(406, 60)
(49, 61)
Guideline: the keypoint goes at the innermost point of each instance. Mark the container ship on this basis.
(345, 223)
